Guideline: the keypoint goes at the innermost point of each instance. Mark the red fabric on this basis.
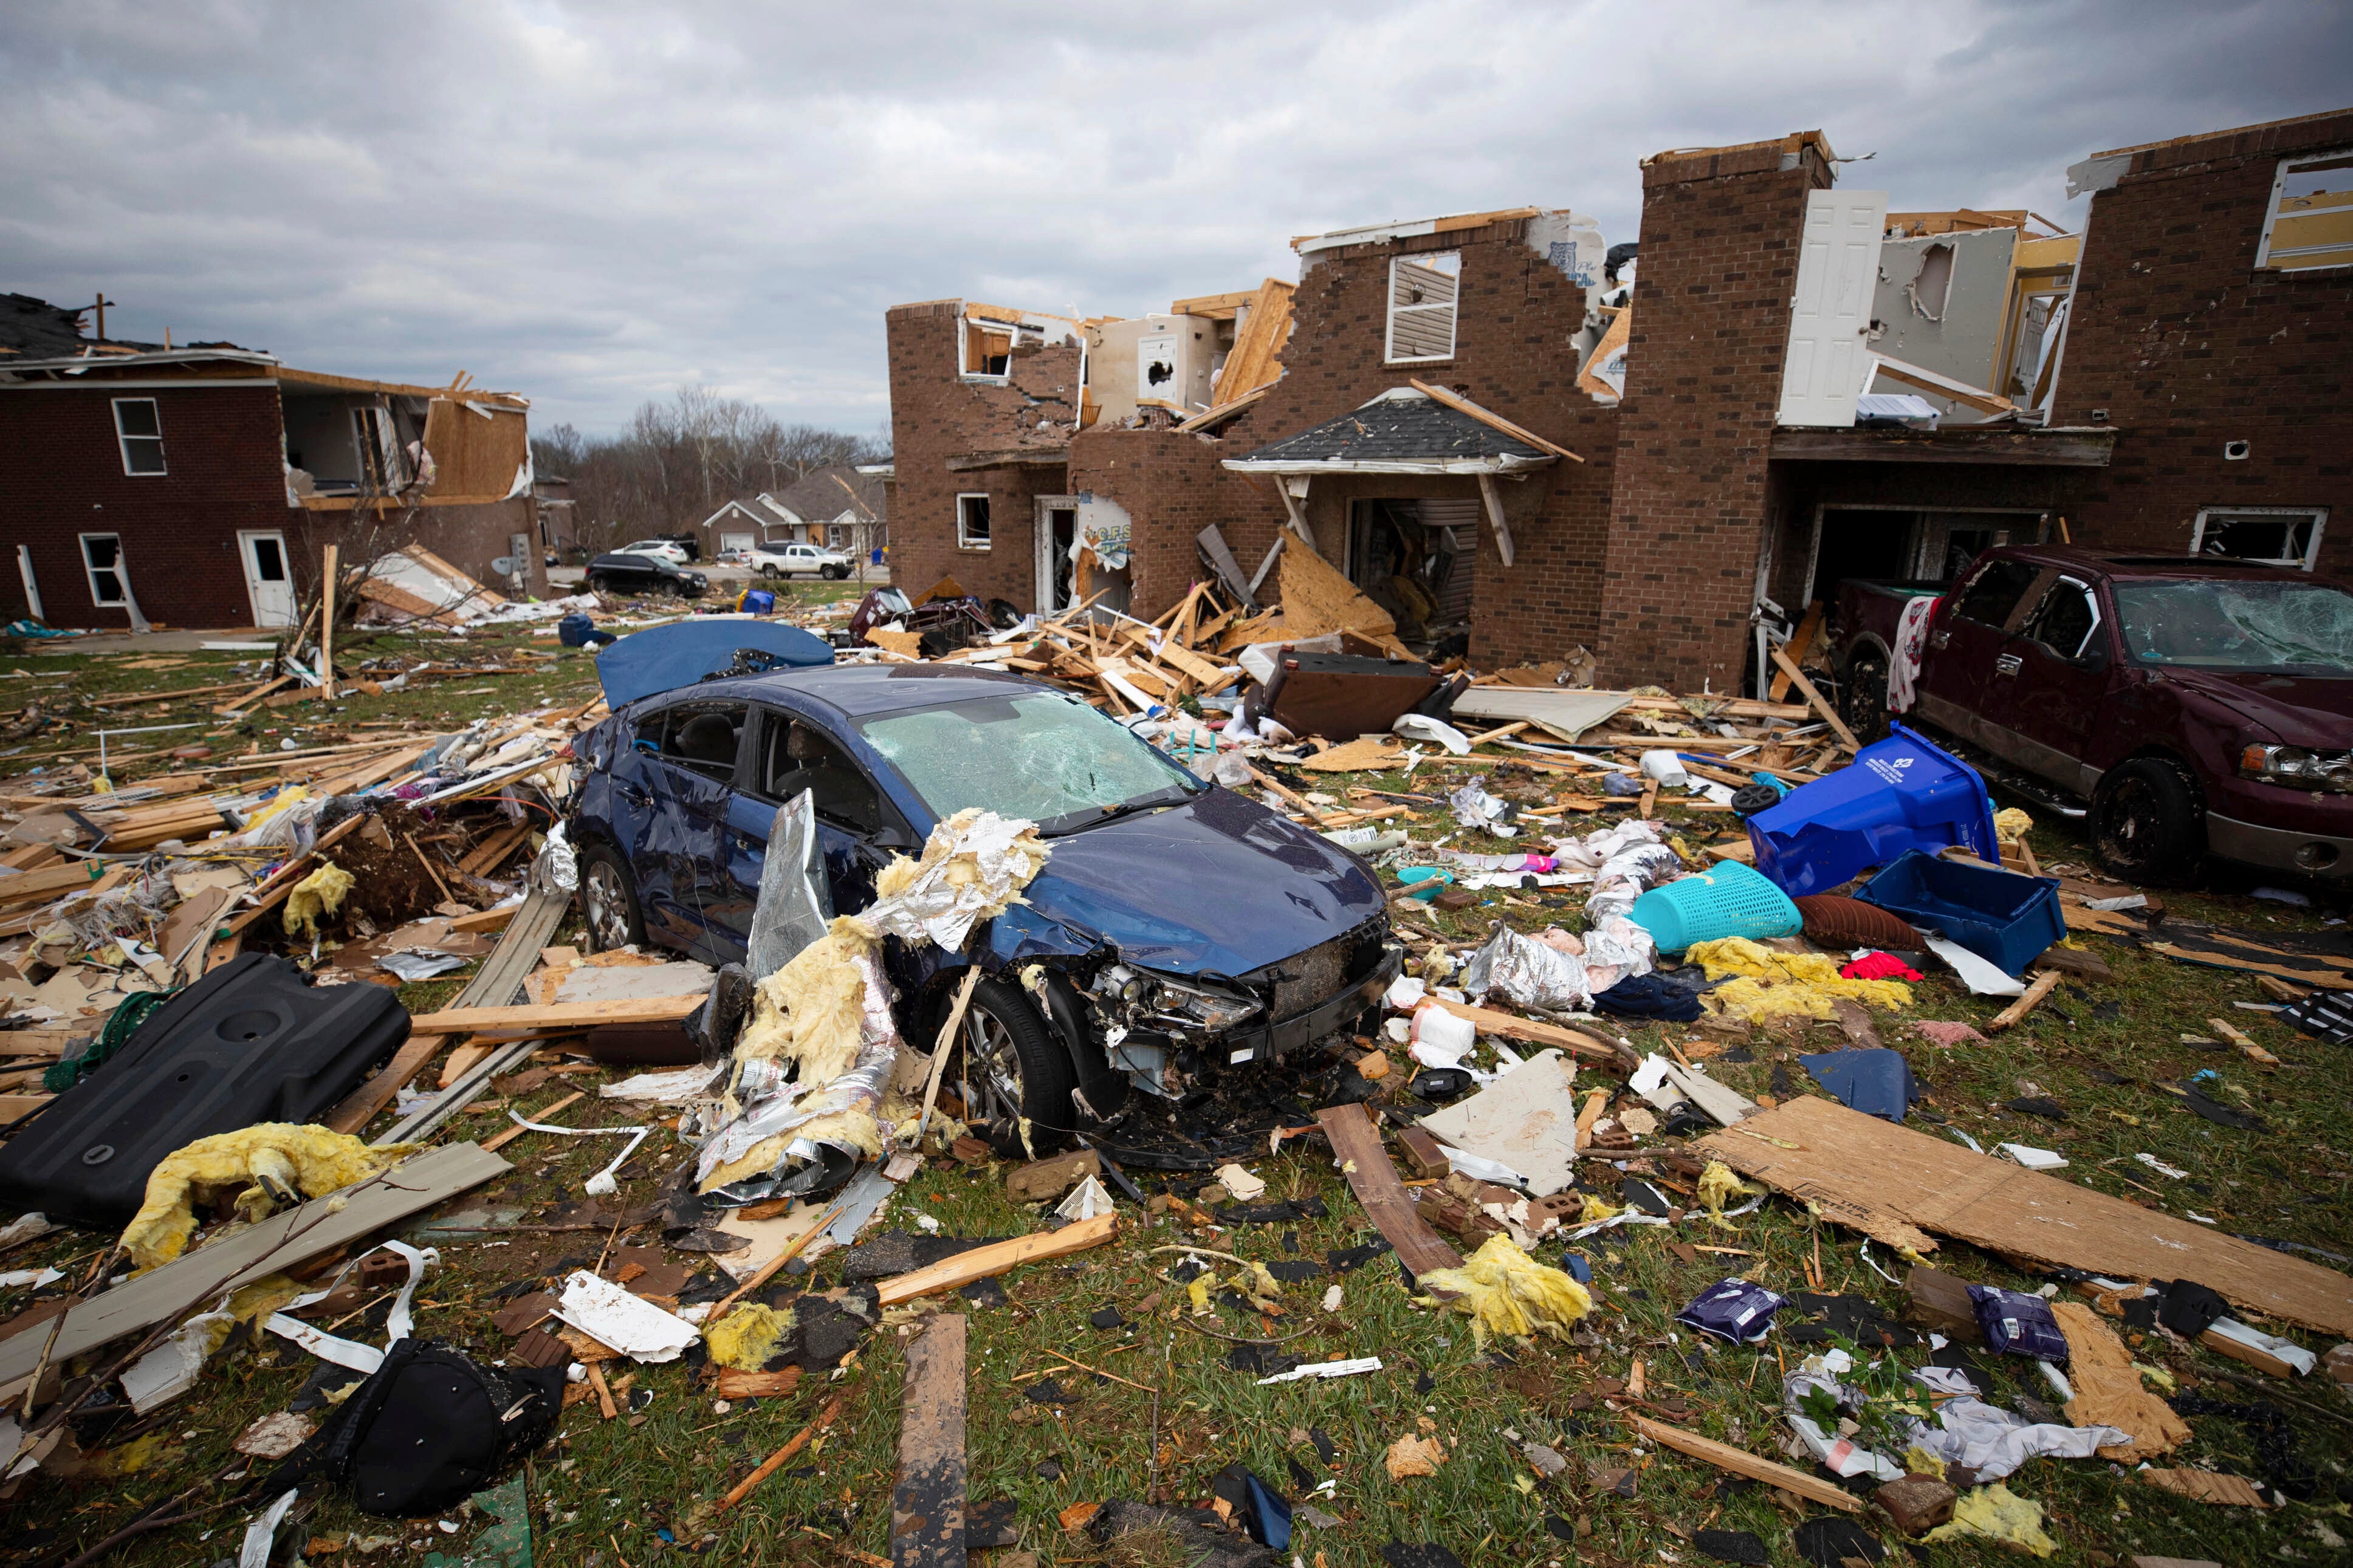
(1880, 966)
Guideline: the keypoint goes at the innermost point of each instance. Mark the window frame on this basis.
(1961, 595)
(2319, 514)
(986, 326)
(775, 721)
(2286, 166)
(92, 569)
(2032, 628)
(122, 440)
(987, 522)
(1422, 258)
(678, 714)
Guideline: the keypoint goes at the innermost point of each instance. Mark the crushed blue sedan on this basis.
(1179, 930)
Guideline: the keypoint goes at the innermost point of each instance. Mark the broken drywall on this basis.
(1941, 303)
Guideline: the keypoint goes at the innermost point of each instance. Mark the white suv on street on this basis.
(780, 559)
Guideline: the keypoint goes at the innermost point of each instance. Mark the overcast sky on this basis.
(593, 203)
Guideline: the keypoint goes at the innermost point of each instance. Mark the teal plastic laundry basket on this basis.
(1730, 900)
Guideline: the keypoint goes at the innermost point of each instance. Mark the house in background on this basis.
(196, 486)
(840, 507)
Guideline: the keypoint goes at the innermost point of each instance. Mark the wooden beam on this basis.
(360, 1107)
(1740, 1462)
(1799, 641)
(1357, 1144)
(1491, 419)
(1489, 494)
(328, 558)
(2044, 986)
(927, 1502)
(984, 1262)
(557, 1017)
(1513, 1028)
(1814, 699)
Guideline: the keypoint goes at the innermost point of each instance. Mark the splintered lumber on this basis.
(1725, 1457)
(1357, 1144)
(1511, 1027)
(359, 1108)
(983, 1262)
(1896, 1185)
(31, 886)
(1799, 641)
(777, 1460)
(1788, 667)
(557, 1017)
(927, 1502)
(2044, 986)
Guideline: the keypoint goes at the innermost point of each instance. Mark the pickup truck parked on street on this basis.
(782, 560)
(2188, 706)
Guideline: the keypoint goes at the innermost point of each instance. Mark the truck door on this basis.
(1957, 672)
(2047, 683)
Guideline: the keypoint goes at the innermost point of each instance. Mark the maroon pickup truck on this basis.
(2200, 706)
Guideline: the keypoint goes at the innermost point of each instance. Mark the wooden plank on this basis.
(497, 847)
(1725, 1457)
(167, 696)
(983, 1262)
(1814, 699)
(1491, 419)
(2044, 986)
(1512, 1027)
(1799, 641)
(927, 1501)
(1357, 1144)
(1897, 1186)
(41, 887)
(559, 1016)
(330, 558)
(360, 1107)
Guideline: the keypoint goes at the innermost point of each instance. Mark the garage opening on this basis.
(1891, 545)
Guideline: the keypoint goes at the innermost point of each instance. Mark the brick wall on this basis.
(2186, 346)
(1514, 319)
(1711, 325)
(179, 528)
(936, 416)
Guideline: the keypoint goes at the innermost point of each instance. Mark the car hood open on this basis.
(1218, 883)
(663, 659)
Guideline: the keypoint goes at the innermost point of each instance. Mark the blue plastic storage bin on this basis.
(1730, 900)
(759, 601)
(1900, 794)
(2000, 916)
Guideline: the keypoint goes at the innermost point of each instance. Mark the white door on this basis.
(1838, 270)
(266, 583)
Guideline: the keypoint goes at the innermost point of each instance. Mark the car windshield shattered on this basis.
(1041, 756)
(2294, 627)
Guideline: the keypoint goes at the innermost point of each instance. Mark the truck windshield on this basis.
(2303, 628)
(1041, 756)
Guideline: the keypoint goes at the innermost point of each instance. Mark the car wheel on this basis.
(1864, 703)
(1007, 1068)
(600, 584)
(608, 901)
(769, 571)
(2147, 825)
(836, 573)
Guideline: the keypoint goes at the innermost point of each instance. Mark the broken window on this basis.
(102, 555)
(2310, 221)
(985, 347)
(140, 432)
(1422, 290)
(2275, 536)
(702, 739)
(972, 520)
(798, 756)
(2289, 627)
(1995, 592)
(2065, 621)
(1041, 756)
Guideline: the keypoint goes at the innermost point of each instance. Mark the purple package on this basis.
(2017, 1323)
(1733, 1309)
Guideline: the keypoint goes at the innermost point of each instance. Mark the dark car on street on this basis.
(2198, 705)
(628, 573)
(1177, 930)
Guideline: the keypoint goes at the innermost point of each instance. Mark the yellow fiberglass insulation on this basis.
(854, 1128)
(1761, 985)
(319, 893)
(1503, 1290)
(745, 1338)
(1718, 1186)
(1997, 1514)
(2012, 822)
(808, 1012)
(274, 1164)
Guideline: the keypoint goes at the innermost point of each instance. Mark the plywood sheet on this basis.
(1898, 1186)
(1555, 708)
(1317, 599)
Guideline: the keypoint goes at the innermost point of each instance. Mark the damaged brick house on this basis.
(196, 486)
(1477, 421)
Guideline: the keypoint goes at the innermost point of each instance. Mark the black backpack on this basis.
(428, 1428)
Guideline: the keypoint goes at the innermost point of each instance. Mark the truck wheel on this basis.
(836, 573)
(608, 899)
(2147, 825)
(768, 571)
(1864, 703)
(1008, 1067)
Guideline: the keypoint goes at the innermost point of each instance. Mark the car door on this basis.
(693, 780)
(857, 828)
(1958, 668)
(2047, 683)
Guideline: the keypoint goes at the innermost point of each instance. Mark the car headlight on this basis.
(2298, 767)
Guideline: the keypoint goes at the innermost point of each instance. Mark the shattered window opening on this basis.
(2292, 627)
(799, 756)
(140, 431)
(702, 739)
(2273, 536)
(2066, 618)
(102, 555)
(1995, 593)
(2310, 222)
(1039, 756)
(1422, 295)
(972, 520)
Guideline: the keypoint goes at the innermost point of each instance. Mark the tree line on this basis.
(677, 460)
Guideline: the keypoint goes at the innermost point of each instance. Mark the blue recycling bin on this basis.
(1903, 792)
(2004, 918)
(759, 602)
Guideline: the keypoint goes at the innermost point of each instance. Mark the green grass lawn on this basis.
(606, 1490)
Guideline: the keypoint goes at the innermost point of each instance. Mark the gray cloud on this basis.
(592, 203)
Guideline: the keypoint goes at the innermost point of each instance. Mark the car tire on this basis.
(2147, 825)
(600, 584)
(836, 573)
(1862, 703)
(609, 902)
(769, 571)
(1009, 1068)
